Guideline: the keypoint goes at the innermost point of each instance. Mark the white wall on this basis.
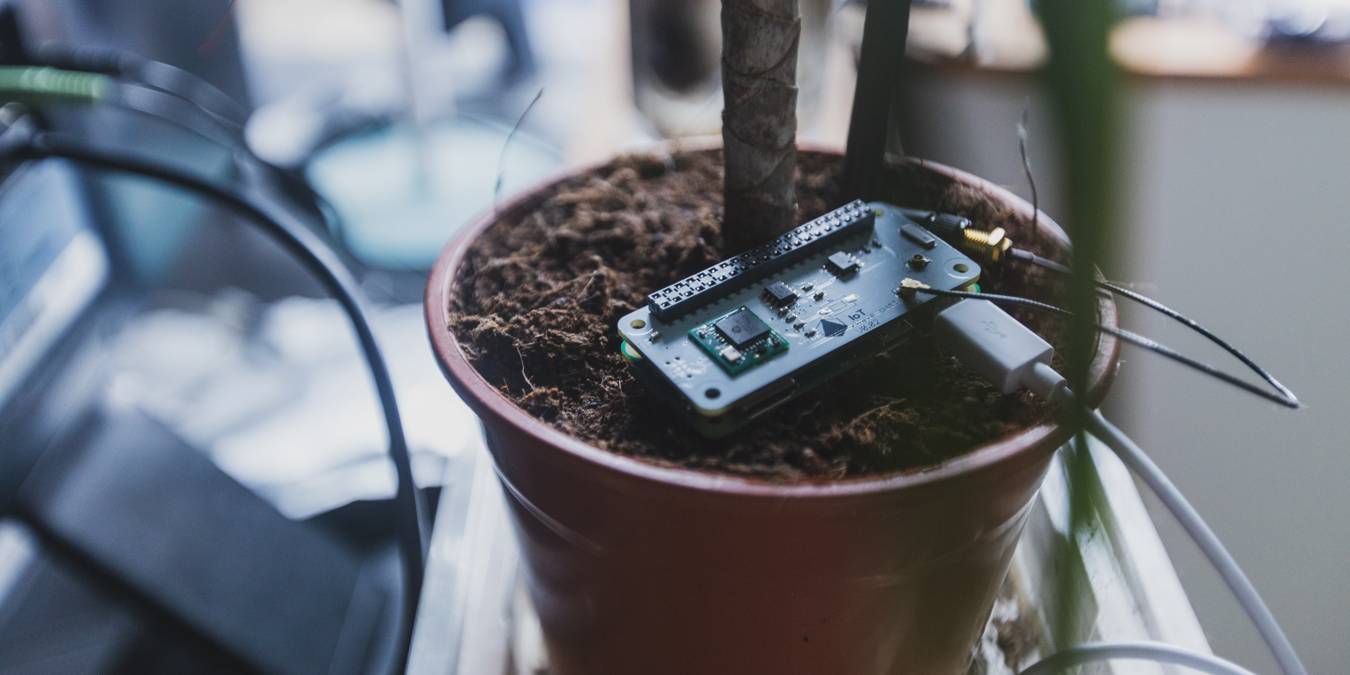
(1236, 207)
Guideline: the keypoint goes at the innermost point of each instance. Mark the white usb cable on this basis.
(1010, 355)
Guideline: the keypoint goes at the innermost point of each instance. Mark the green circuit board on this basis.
(738, 340)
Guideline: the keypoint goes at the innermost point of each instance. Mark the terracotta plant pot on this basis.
(638, 568)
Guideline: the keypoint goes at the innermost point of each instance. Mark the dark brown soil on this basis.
(536, 304)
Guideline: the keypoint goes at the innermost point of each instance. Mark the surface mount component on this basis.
(732, 342)
(841, 264)
(919, 236)
(742, 328)
(780, 294)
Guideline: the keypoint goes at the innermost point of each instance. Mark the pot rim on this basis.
(485, 399)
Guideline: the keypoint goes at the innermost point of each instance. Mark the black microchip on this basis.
(780, 294)
(841, 264)
(741, 328)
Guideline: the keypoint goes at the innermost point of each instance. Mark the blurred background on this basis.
(388, 125)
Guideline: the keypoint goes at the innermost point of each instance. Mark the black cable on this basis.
(1132, 338)
(176, 87)
(506, 144)
(173, 110)
(1023, 132)
(154, 74)
(1290, 399)
(302, 243)
(180, 113)
(1039, 261)
(183, 114)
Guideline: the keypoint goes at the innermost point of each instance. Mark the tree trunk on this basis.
(759, 119)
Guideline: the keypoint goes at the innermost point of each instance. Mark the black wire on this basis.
(154, 74)
(1023, 131)
(175, 111)
(1289, 398)
(1039, 261)
(161, 90)
(175, 106)
(179, 113)
(1127, 336)
(506, 144)
(302, 243)
(183, 113)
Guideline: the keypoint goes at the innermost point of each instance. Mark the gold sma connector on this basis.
(991, 244)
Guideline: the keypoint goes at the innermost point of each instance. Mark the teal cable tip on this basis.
(30, 84)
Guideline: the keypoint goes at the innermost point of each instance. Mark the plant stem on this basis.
(874, 102)
(759, 119)
(1082, 92)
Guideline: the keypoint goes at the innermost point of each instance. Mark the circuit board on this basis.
(731, 342)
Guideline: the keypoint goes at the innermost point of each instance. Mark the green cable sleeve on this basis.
(30, 84)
